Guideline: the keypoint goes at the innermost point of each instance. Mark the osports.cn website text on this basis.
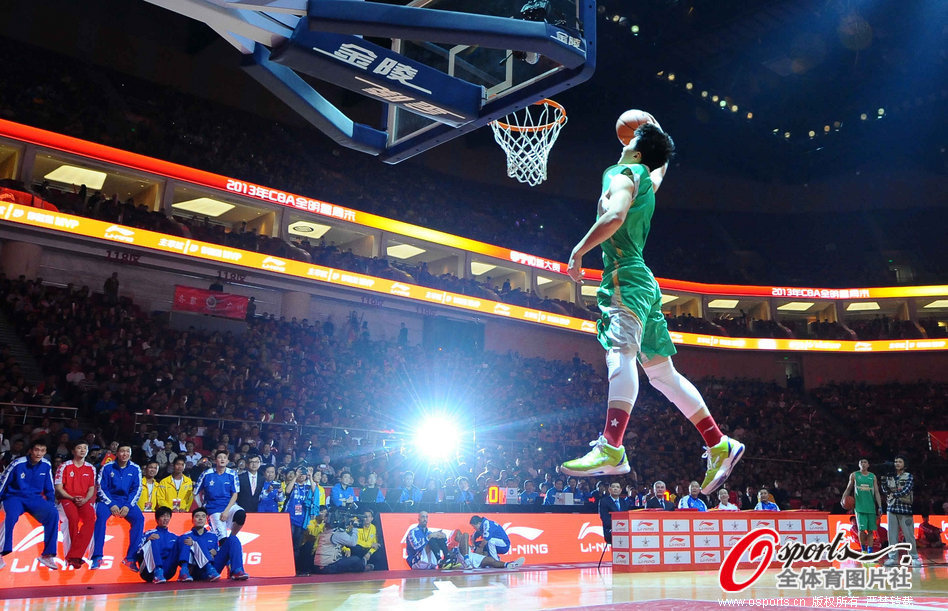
(764, 602)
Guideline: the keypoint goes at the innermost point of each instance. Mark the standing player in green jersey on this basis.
(632, 324)
(866, 488)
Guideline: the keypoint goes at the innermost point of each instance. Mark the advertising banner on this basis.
(265, 539)
(215, 303)
(542, 538)
(692, 540)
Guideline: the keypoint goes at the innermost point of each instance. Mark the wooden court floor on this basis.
(575, 587)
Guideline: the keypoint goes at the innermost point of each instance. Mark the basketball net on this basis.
(527, 136)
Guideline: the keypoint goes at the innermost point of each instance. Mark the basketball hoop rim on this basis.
(537, 128)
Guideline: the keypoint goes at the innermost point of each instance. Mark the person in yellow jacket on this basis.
(315, 528)
(147, 500)
(177, 490)
(368, 541)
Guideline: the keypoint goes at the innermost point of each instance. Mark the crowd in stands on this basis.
(329, 397)
(127, 213)
(121, 111)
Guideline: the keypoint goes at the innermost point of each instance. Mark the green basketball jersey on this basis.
(864, 493)
(626, 245)
(625, 275)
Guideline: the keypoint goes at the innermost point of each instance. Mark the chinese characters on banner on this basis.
(189, 299)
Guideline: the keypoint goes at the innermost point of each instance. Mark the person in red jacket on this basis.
(75, 488)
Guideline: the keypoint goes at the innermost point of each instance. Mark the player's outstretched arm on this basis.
(658, 175)
(849, 488)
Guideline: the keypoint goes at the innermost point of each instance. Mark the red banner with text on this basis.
(215, 303)
(542, 538)
(265, 539)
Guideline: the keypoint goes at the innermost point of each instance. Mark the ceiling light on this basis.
(939, 303)
(862, 306)
(796, 306)
(668, 298)
(541, 280)
(403, 251)
(689, 86)
(308, 229)
(734, 108)
(481, 268)
(205, 206)
(723, 304)
(671, 76)
(863, 116)
(72, 175)
(750, 115)
(715, 98)
(589, 290)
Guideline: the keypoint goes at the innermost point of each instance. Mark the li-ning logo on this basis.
(402, 290)
(120, 234)
(274, 265)
(707, 557)
(588, 529)
(677, 540)
(524, 531)
(761, 546)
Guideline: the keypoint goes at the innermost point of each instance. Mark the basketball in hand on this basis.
(628, 122)
(849, 503)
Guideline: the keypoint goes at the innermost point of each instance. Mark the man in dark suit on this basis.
(658, 500)
(251, 484)
(609, 503)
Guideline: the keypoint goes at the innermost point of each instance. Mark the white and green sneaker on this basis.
(721, 460)
(603, 459)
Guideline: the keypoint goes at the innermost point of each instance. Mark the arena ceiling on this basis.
(797, 66)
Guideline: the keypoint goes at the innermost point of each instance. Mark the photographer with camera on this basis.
(335, 544)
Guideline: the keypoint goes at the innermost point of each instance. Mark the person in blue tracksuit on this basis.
(27, 486)
(159, 551)
(272, 494)
(120, 485)
(203, 556)
(217, 491)
(490, 538)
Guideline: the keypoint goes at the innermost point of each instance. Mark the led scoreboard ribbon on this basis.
(65, 223)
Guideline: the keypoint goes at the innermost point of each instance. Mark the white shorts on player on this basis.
(495, 547)
(473, 560)
(220, 527)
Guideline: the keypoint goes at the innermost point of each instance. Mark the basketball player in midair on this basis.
(632, 325)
